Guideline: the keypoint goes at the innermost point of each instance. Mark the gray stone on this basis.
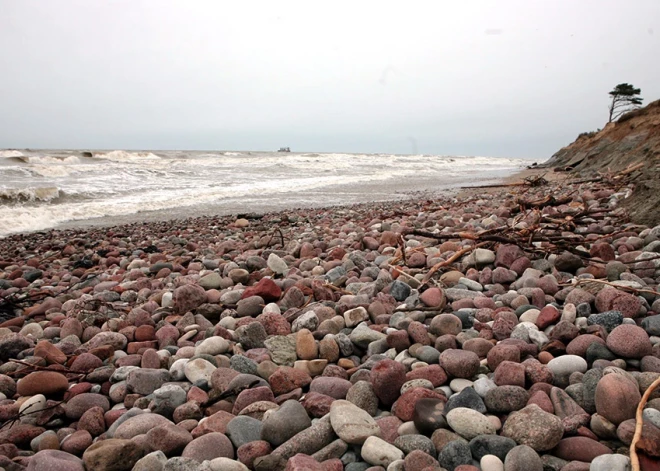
(362, 336)
(243, 429)
(413, 442)
(399, 290)
(651, 325)
(179, 463)
(154, 461)
(652, 416)
(469, 398)
(251, 335)
(279, 425)
(427, 354)
(483, 445)
(523, 458)
(144, 381)
(608, 319)
(211, 281)
(167, 398)
(454, 454)
(362, 395)
(308, 320)
(243, 364)
(282, 349)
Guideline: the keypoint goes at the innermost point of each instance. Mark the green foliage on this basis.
(625, 97)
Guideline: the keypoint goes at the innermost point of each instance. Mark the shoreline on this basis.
(182, 214)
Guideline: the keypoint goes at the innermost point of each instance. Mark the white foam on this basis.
(8, 154)
(121, 183)
(123, 156)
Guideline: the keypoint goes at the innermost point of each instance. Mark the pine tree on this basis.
(625, 97)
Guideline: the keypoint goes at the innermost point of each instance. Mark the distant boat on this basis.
(284, 149)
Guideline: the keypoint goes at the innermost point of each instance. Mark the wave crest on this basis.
(8, 154)
(123, 156)
(29, 194)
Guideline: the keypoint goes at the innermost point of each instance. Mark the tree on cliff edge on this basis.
(625, 97)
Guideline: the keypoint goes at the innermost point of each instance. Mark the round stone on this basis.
(469, 423)
(617, 398)
(42, 382)
(352, 424)
(534, 427)
(459, 363)
(629, 341)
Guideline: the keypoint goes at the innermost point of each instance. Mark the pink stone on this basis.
(404, 407)
(387, 377)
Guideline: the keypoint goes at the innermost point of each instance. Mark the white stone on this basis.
(378, 452)
(567, 364)
(225, 464)
(491, 463)
(483, 385)
(212, 346)
(166, 300)
(276, 264)
(569, 313)
(539, 338)
(469, 423)
(271, 308)
(33, 330)
(177, 370)
(397, 465)
(30, 409)
(198, 369)
(613, 462)
(407, 428)
(458, 384)
(228, 323)
(352, 424)
(530, 315)
(354, 316)
(416, 383)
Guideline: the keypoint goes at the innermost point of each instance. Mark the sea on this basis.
(45, 189)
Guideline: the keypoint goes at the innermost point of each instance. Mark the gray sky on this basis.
(516, 78)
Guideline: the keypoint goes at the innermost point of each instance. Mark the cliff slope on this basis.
(634, 139)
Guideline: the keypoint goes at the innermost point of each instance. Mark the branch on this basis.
(449, 261)
(623, 288)
(634, 459)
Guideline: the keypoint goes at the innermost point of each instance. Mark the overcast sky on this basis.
(514, 78)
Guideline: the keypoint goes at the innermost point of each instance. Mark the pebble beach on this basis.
(398, 336)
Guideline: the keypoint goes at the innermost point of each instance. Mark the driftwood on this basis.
(622, 288)
(449, 261)
(531, 181)
(639, 422)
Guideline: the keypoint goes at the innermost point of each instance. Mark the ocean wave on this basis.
(45, 194)
(232, 154)
(8, 154)
(123, 156)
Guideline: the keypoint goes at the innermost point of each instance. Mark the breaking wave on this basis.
(49, 193)
(123, 156)
(8, 154)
